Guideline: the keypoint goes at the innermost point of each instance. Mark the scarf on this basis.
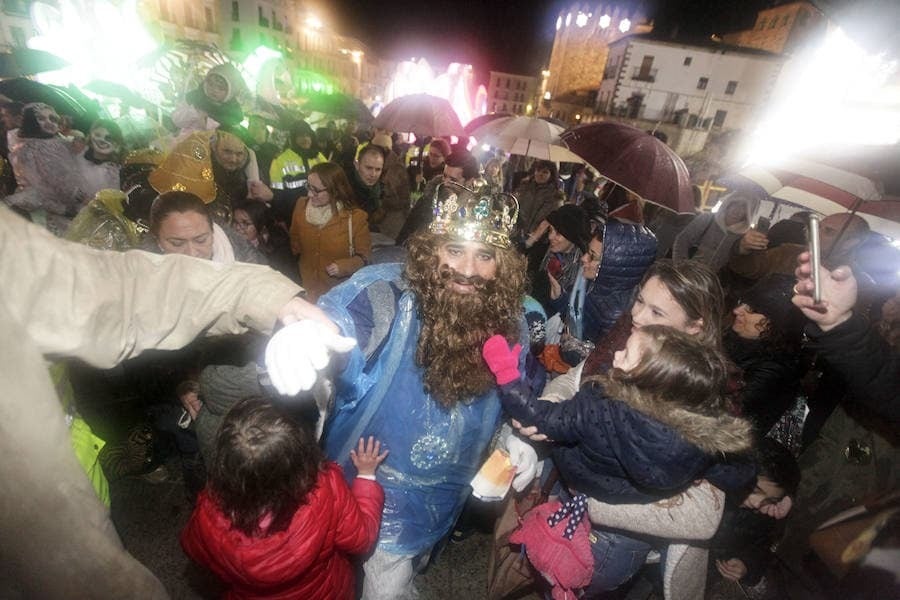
(319, 216)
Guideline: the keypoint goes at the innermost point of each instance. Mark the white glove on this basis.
(297, 351)
(524, 458)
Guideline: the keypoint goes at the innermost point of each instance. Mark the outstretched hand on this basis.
(502, 360)
(367, 456)
(839, 292)
(296, 352)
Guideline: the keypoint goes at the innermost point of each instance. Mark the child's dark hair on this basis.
(675, 368)
(265, 465)
(777, 464)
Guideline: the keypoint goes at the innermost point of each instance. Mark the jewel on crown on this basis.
(474, 216)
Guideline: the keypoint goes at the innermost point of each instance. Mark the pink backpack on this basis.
(558, 547)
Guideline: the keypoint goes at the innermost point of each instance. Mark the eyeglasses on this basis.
(314, 191)
(243, 224)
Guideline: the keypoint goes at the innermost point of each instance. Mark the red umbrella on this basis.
(421, 114)
(635, 160)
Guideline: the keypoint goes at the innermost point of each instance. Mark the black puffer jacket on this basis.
(771, 380)
(620, 453)
(628, 251)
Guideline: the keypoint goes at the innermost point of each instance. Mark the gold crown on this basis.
(472, 216)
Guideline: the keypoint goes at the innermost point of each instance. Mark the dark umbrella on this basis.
(480, 120)
(65, 100)
(420, 114)
(340, 106)
(636, 161)
(21, 62)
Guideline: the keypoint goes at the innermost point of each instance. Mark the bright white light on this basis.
(314, 22)
(568, 19)
(716, 208)
(558, 22)
(82, 34)
(605, 20)
(624, 25)
(811, 107)
(581, 19)
(577, 117)
(546, 95)
(456, 84)
(485, 147)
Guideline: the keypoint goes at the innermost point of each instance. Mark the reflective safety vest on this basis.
(289, 170)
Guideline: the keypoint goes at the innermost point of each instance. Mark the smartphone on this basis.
(815, 256)
(763, 224)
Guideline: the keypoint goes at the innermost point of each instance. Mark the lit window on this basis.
(605, 20)
(558, 23)
(581, 20)
(568, 19)
(624, 25)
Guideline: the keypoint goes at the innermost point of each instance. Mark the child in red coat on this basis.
(276, 519)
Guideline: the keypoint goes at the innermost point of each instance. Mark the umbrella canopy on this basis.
(526, 136)
(828, 190)
(480, 120)
(636, 161)
(21, 62)
(340, 106)
(420, 114)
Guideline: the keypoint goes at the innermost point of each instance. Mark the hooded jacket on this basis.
(309, 559)
(710, 236)
(622, 451)
(628, 251)
(228, 112)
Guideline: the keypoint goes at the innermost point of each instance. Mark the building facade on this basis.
(508, 92)
(781, 29)
(580, 47)
(685, 90)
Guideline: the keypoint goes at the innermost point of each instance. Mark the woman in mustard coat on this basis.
(328, 231)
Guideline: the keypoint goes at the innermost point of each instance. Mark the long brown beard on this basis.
(456, 325)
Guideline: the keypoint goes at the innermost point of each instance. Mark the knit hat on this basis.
(771, 297)
(572, 223)
(383, 140)
(187, 168)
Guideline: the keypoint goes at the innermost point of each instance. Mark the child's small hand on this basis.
(502, 360)
(366, 457)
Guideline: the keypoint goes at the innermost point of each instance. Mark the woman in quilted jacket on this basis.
(651, 427)
(277, 520)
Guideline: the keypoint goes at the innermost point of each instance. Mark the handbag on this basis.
(510, 574)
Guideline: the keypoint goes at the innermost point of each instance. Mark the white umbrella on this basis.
(526, 136)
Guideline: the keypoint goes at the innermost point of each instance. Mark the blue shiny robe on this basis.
(434, 451)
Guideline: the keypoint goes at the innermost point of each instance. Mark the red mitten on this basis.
(501, 360)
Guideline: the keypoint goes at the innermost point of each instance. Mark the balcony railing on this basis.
(642, 74)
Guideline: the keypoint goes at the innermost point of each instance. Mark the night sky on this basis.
(505, 35)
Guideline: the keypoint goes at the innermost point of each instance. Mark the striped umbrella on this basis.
(828, 190)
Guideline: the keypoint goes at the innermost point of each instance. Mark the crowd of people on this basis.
(696, 408)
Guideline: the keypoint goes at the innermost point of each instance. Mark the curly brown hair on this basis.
(265, 465)
(454, 325)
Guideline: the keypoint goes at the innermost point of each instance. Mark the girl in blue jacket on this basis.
(650, 427)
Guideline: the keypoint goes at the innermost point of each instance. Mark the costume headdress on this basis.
(187, 168)
(474, 216)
